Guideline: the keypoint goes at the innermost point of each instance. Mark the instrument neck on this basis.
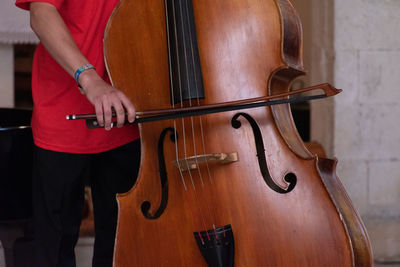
(186, 81)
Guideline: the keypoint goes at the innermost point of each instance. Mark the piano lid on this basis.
(16, 147)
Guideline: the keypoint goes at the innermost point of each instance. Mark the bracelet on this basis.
(79, 71)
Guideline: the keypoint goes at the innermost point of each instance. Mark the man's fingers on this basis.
(119, 110)
(130, 109)
(99, 113)
(110, 101)
(107, 113)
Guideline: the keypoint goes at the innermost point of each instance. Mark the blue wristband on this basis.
(80, 70)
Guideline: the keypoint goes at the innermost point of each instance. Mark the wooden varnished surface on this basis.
(241, 45)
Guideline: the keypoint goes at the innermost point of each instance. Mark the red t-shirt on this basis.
(55, 92)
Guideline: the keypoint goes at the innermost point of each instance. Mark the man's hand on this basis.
(54, 35)
(105, 99)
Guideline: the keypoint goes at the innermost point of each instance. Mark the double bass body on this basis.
(232, 188)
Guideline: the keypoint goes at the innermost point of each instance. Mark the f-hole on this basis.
(290, 178)
(145, 207)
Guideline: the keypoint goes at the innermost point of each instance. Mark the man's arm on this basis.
(50, 28)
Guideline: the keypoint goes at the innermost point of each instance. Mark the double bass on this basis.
(222, 182)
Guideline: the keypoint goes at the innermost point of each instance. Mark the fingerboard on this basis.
(184, 60)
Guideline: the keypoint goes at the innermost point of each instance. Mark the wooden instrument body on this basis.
(248, 48)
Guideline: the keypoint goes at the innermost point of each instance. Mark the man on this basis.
(66, 152)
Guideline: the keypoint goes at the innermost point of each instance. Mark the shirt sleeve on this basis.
(24, 4)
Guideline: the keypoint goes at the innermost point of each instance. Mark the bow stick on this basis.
(166, 114)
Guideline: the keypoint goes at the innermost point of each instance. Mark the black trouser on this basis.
(58, 194)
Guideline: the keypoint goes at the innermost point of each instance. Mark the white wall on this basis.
(6, 76)
(14, 29)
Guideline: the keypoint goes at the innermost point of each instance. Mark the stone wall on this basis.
(366, 131)
(356, 47)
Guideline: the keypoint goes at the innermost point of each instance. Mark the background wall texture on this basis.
(355, 45)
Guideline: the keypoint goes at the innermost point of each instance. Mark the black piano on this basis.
(16, 147)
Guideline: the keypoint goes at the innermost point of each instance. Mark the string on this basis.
(211, 211)
(196, 79)
(191, 118)
(172, 92)
(173, 105)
